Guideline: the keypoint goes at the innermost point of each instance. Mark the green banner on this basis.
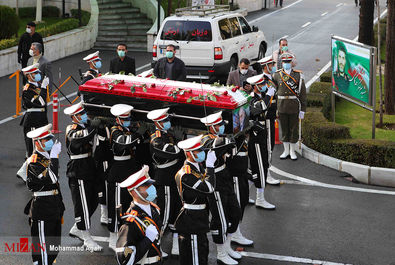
(351, 67)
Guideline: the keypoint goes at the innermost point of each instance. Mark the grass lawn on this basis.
(359, 120)
(47, 21)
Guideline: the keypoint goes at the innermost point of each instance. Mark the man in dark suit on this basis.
(123, 63)
(239, 76)
(25, 42)
(44, 65)
(170, 66)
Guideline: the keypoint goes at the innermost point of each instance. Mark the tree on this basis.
(366, 16)
(389, 74)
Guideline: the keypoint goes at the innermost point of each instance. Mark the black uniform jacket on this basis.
(166, 157)
(79, 141)
(132, 243)
(42, 175)
(33, 96)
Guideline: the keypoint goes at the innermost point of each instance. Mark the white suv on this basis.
(209, 41)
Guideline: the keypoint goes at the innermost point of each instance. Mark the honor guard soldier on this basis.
(224, 189)
(267, 64)
(139, 237)
(258, 145)
(34, 96)
(81, 171)
(291, 92)
(167, 160)
(46, 208)
(195, 187)
(94, 63)
(123, 143)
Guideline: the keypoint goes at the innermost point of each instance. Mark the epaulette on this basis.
(26, 87)
(187, 169)
(33, 158)
(131, 219)
(74, 126)
(158, 133)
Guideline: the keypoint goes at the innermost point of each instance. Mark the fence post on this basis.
(18, 106)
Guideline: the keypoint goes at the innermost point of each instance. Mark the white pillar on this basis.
(39, 10)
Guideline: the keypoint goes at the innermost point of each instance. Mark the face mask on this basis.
(169, 55)
(287, 66)
(221, 129)
(84, 118)
(48, 145)
(263, 88)
(31, 53)
(273, 69)
(199, 157)
(166, 125)
(121, 53)
(151, 191)
(126, 123)
(243, 71)
(29, 30)
(37, 77)
(284, 48)
(98, 64)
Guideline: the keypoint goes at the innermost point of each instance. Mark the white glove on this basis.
(55, 151)
(45, 82)
(151, 232)
(270, 92)
(211, 158)
(301, 115)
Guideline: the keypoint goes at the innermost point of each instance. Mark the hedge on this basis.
(85, 16)
(7, 43)
(47, 11)
(9, 22)
(326, 77)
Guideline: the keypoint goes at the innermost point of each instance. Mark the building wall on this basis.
(69, 4)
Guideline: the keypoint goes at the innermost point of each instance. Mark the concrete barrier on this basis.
(365, 174)
(59, 45)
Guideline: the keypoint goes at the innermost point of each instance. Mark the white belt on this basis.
(194, 206)
(287, 97)
(35, 110)
(168, 164)
(218, 169)
(122, 158)
(262, 122)
(149, 260)
(45, 193)
(79, 156)
(273, 101)
(242, 154)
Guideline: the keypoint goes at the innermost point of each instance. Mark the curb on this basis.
(365, 174)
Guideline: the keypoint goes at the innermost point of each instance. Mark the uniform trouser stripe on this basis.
(84, 204)
(117, 202)
(269, 141)
(43, 248)
(260, 165)
(195, 251)
(166, 212)
(221, 214)
(237, 188)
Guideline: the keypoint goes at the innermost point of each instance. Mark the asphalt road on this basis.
(311, 225)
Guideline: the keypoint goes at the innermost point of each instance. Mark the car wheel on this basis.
(262, 51)
(233, 64)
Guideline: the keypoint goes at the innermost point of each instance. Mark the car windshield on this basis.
(187, 31)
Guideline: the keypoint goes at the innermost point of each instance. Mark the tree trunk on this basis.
(366, 16)
(169, 2)
(389, 75)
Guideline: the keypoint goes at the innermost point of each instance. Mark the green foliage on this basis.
(47, 11)
(7, 43)
(327, 107)
(315, 99)
(9, 22)
(85, 16)
(326, 77)
(62, 26)
(383, 35)
(321, 87)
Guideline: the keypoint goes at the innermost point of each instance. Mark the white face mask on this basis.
(31, 53)
(29, 30)
(243, 71)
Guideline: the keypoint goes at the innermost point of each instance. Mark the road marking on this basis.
(274, 12)
(323, 14)
(283, 37)
(100, 238)
(143, 66)
(305, 25)
(288, 258)
(340, 4)
(329, 186)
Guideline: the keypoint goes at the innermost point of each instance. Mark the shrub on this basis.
(321, 87)
(30, 12)
(62, 26)
(315, 100)
(85, 16)
(326, 77)
(7, 43)
(9, 22)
